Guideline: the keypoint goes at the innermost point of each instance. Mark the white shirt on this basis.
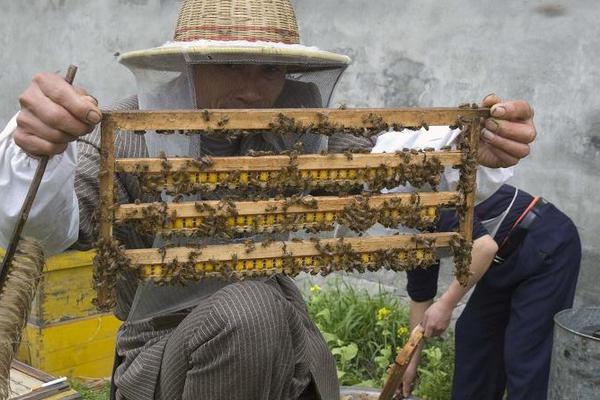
(488, 179)
(54, 216)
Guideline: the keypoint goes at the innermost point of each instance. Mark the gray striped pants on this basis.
(250, 340)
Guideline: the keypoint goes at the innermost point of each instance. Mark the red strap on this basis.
(529, 207)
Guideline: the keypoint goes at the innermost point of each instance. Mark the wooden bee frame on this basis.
(303, 172)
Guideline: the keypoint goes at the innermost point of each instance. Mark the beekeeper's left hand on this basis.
(507, 135)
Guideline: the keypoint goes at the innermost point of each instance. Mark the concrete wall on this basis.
(406, 53)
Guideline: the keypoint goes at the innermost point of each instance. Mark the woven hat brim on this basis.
(172, 56)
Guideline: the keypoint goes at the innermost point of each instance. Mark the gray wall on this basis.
(406, 53)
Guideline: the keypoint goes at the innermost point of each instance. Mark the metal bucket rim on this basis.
(358, 389)
(570, 310)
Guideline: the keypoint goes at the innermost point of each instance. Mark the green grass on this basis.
(100, 393)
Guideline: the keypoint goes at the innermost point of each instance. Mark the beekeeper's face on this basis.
(238, 85)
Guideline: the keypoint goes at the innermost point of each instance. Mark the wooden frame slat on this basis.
(466, 225)
(275, 163)
(241, 119)
(324, 203)
(305, 248)
(106, 177)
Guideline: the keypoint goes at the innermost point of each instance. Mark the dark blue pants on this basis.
(504, 335)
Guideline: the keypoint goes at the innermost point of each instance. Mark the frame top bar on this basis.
(264, 119)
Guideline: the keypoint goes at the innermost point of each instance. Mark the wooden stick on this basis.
(403, 358)
(25, 260)
(33, 188)
(324, 203)
(275, 163)
(305, 248)
(251, 119)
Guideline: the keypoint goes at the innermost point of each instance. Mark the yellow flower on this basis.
(402, 331)
(382, 313)
(315, 288)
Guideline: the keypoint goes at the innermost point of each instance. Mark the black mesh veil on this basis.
(175, 89)
(172, 86)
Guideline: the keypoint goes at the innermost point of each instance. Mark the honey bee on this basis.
(223, 121)
(250, 246)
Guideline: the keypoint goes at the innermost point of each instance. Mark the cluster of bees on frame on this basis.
(293, 186)
(257, 185)
(373, 125)
(223, 221)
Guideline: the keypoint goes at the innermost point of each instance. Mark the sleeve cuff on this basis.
(422, 284)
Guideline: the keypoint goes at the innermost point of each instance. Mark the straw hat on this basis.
(235, 31)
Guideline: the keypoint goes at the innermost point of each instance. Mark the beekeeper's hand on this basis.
(410, 375)
(506, 137)
(437, 318)
(53, 113)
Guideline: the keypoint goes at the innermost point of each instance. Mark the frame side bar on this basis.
(106, 177)
(470, 176)
(104, 281)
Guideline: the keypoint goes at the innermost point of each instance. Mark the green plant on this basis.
(435, 371)
(99, 393)
(365, 332)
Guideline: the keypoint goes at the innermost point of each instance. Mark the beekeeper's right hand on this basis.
(53, 113)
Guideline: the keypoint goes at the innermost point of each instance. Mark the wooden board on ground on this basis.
(28, 383)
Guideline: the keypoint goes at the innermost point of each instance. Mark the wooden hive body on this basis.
(66, 335)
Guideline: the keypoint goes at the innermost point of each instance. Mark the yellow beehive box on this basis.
(65, 334)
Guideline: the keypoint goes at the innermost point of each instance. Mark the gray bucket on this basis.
(575, 365)
(357, 393)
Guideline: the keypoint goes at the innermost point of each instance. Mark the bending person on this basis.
(504, 334)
